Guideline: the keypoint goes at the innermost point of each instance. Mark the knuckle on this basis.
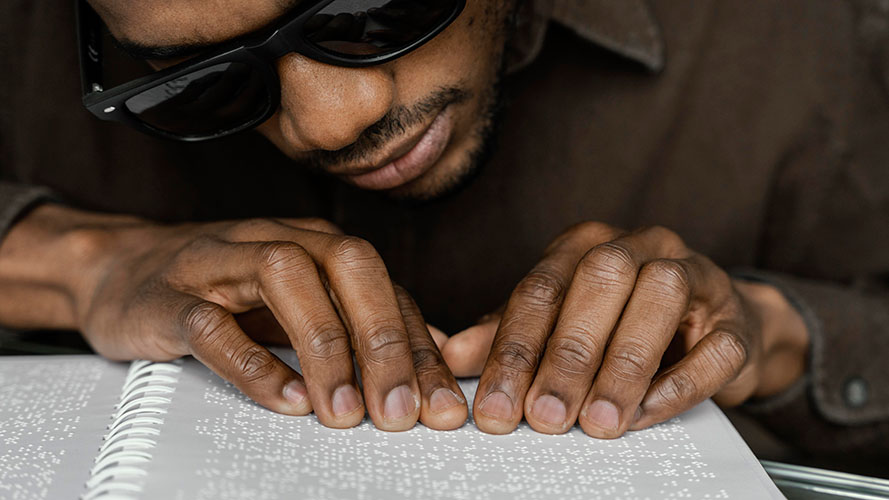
(598, 231)
(671, 277)
(253, 364)
(594, 228)
(283, 259)
(384, 342)
(352, 252)
(426, 360)
(629, 362)
(570, 354)
(540, 288)
(516, 356)
(320, 225)
(326, 342)
(669, 238)
(203, 322)
(678, 387)
(251, 229)
(87, 241)
(178, 274)
(729, 354)
(405, 301)
(607, 264)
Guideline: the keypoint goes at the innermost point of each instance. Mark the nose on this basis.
(327, 107)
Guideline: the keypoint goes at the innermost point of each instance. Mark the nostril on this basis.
(327, 107)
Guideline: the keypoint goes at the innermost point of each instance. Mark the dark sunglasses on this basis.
(236, 86)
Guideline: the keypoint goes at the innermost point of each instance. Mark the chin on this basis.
(455, 171)
(447, 178)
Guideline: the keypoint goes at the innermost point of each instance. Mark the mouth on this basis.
(410, 160)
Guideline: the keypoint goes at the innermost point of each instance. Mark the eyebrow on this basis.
(163, 52)
(169, 52)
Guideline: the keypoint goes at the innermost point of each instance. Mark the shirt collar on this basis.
(625, 27)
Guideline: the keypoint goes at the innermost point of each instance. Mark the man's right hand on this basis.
(142, 290)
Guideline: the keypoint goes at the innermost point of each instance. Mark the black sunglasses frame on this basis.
(258, 51)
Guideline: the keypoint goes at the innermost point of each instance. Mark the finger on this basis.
(365, 298)
(363, 295)
(443, 405)
(438, 336)
(283, 277)
(466, 352)
(711, 364)
(651, 318)
(214, 338)
(311, 224)
(276, 228)
(602, 283)
(523, 332)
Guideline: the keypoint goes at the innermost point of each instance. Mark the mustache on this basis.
(395, 123)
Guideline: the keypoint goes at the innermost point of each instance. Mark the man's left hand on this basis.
(620, 330)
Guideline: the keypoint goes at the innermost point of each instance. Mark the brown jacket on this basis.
(758, 130)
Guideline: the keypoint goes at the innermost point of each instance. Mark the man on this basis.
(759, 145)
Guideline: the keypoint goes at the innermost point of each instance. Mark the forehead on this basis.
(167, 22)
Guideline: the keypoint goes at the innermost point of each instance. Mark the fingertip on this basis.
(547, 414)
(446, 410)
(495, 414)
(345, 409)
(296, 399)
(399, 410)
(601, 419)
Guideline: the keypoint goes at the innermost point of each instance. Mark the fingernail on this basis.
(497, 405)
(295, 392)
(345, 400)
(637, 415)
(550, 409)
(603, 414)
(399, 403)
(442, 399)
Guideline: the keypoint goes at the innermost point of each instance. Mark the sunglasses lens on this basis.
(375, 27)
(205, 102)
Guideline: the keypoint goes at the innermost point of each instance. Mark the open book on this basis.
(81, 426)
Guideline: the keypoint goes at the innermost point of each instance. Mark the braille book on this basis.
(82, 426)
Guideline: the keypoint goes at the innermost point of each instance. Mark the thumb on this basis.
(466, 352)
(439, 337)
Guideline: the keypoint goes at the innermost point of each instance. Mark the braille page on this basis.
(53, 413)
(217, 444)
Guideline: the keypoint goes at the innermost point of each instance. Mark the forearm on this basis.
(48, 258)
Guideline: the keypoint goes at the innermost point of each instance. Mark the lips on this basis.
(412, 164)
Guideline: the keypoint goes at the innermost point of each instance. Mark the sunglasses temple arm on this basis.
(89, 44)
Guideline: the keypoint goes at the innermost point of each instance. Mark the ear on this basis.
(528, 35)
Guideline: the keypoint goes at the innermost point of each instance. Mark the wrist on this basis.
(49, 261)
(784, 337)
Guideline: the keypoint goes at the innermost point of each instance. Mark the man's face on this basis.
(414, 126)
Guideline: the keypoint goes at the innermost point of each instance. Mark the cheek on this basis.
(466, 55)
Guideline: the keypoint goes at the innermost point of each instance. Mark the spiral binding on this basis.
(133, 431)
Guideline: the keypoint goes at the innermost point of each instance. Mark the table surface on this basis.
(795, 481)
